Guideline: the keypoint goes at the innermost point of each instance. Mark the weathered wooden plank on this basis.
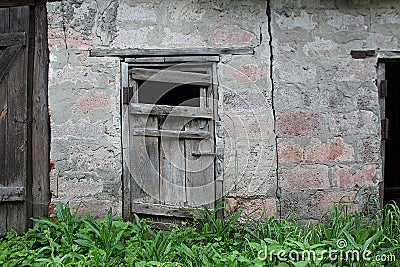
(7, 59)
(126, 175)
(8, 194)
(4, 27)
(40, 116)
(3, 151)
(3, 130)
(4, 20)
(170, 76)
(3, 218)
(388, 56)
(245, 50)
(186, 66)
(200, 157)
(17, 123)
(171, 133)
(145, 60)
(9, 39)
(174, 111)
(144, 162)
(218, 140)
(172, 164)
(165, 210)
(192, 59)
(173, 59)
(219, 161)
(14, 3)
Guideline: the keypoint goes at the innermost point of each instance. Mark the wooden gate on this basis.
(169, 143)
(24, 121)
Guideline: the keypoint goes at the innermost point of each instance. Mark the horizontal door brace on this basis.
(171, 133)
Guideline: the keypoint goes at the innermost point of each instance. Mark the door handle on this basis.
(199, 154)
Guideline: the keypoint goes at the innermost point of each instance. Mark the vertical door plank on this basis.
(3, 158)
(4, 20)
(40, 192)
(4, 27)
(17, 122)
(218, 137)
(172, 165)
(203, 97)
(200, 169)
(126, 175)
(144, 161)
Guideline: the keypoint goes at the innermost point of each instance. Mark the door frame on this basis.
(383, 58)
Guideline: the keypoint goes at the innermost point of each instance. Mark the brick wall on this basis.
(326, 102)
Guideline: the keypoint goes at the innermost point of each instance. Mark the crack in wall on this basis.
(64, 29)
(271, 77)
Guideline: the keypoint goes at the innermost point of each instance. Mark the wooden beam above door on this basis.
(245, 50)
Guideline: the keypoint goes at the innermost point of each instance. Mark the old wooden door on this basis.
(169, 143)
(24, 122)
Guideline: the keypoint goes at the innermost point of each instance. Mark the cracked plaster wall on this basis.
(84, 91)
(317, 104)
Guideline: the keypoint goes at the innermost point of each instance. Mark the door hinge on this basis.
(127, 94)
(383, 92)
(385, 129)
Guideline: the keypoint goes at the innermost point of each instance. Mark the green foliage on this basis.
(72, 240)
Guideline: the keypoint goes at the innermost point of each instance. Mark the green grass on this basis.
(72, 240)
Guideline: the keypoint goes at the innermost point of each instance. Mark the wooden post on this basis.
(40, 116)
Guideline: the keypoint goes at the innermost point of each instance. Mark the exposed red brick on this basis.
(232, 34)
(334, 150)
(88, 103)
(369, 150)
(73, 38)
(361, 177)
(249, 73)
(52, 211)
(52, 165)
(253, 209)
(298, 123)
(322, 201)
(305, 177)
(289, 152)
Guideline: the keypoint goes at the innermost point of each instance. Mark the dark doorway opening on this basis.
(392, 144)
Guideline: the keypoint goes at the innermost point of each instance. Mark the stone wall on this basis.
(326, 102)
(317, 110)
(84, 91)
